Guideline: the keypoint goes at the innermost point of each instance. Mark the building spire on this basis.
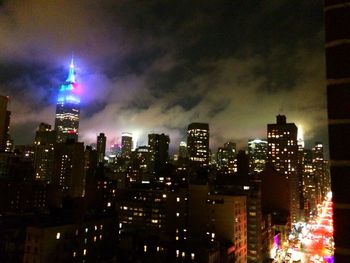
(71, 74)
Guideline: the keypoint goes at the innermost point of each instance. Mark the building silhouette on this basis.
(101, 147)
(4, 122)
(337, 33)
(68, 108)
(159, 152)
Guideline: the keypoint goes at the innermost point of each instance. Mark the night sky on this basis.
(156, 66)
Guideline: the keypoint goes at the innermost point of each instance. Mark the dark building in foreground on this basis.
(337, 19)
(4, 122)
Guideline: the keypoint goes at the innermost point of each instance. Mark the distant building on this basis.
(226, 158)
(198, 143)
(4, 122)
(283, 154)
(101, 147)
(257, 152)
(127, 144)
(68, 108)
(183, 150)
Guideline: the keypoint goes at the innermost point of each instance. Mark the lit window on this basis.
(58, 235)
(192, 256)
(177, 199)
(84, 252)
(177, 214)
(74, 254)
(144, 248)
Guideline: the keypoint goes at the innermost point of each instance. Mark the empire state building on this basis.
(68, 109)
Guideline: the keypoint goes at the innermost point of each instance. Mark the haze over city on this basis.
(152, 66)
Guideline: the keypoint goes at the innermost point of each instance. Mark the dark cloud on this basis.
(156, 66)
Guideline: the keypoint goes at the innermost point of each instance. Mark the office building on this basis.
(198, 143)
(337, 17)
(283, 154)
(226, 158)
(68, 108)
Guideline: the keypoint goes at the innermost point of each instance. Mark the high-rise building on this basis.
(337, 17)
(126, 144)
(159, 152)
(101, 147)
(69, 175)
(45, 139)
(68, 108)
(4, 122)
(226, 158)
(257, 152)
(283, 154)
(198, 143)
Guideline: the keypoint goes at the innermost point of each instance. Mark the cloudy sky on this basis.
(156, 66)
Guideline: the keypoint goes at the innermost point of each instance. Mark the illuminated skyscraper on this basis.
(126, 144)
(283, 153)
(68, 108)
(198, 143)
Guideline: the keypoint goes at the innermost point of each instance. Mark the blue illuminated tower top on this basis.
(68, 108)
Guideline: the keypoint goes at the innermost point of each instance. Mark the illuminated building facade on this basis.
(198, 143)
(283, 154)
(337, 17)
(257, 152)
(126, 144)
(68, 108)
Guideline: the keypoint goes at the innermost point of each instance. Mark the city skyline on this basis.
(151, 67)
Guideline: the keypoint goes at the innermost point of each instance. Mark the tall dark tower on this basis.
(68, 109)
(159, 152)
(337, 19)
(198, 143)
(282, 150)
(101, 147)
